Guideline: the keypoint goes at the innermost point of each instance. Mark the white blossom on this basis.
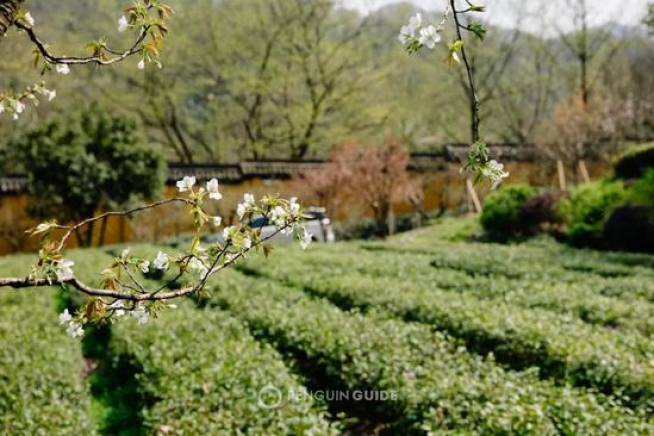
(406, 35)
(75, 329)
(122, 24)
(29, 18)
(217, 221)
(186, 183)
(408, 32)
(278, 217)
(64, 317)
(125, 253)
(141, 64)
(415, 22)
(62, 69)
(161, 261)
(494, 171)
(141, 315)
(429, 37)
(64, 270)
(212, 188)
(247, 243)
(50, 94)
(19, 106)
(118, 308)
(245, 206)
(145, 266)
(2, 106)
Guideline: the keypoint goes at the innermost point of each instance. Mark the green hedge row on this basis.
(564, 291)
(617, 274)
(203, 373)
(562, 347)
(42, 387)
(440, 387)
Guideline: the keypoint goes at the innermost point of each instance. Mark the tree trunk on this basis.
(8, 9)
(103, 231)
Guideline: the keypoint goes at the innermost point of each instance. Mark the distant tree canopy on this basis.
(77, 167)
(294, 78)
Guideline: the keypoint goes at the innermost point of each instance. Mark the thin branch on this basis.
(76, 227)
(77, 60)
(471, 79)
(27, 282)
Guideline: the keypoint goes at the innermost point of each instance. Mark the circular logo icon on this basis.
(270, 397)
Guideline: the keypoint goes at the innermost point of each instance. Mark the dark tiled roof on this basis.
(277, 168)
(284, 169)
(226, 173)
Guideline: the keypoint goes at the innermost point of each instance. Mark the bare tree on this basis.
(588, 46)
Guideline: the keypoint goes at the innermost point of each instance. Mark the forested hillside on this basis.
(246, 79)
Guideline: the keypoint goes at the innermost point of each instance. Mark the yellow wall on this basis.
(441, 190)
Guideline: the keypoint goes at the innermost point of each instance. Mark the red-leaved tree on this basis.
(374, 176)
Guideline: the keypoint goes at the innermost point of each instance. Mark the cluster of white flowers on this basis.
(62, 69)
(123, 24)
(186, 184)
(16, 106)
(73, 328)
(414, 36)
(145, 266)
(141, 314)
(494, 171)
(161, 261)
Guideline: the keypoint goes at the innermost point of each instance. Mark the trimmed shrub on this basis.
(634, 162)
(588, 209)
(502, 216)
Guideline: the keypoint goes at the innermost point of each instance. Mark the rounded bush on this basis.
(634, 162)
(502, 215)
(587, 210)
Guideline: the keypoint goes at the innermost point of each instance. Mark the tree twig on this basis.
(471, 80)
(157, 295)
(76, 60)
